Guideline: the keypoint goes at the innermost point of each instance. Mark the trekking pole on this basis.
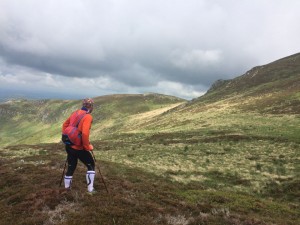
(62, 176)
(109, 194)
(100, 173)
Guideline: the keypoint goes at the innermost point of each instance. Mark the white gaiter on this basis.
(90, 176)
(68, 181)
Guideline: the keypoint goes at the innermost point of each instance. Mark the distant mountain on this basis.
(271, 88)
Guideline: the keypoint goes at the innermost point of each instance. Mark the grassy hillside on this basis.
(271, 88)
(263, 102)
(40, 121)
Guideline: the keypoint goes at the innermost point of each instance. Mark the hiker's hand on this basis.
(91, 147)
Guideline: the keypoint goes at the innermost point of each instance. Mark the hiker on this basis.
(80, 120)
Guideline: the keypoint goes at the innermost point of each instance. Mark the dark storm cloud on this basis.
(139, 45)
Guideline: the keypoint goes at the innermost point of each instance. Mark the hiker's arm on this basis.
(66, 124)
(86, 126)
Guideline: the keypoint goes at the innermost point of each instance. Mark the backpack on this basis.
(71, 135)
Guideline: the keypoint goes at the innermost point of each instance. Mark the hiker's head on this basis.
(88, 103)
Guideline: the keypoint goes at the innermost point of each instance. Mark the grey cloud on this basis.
(142, 43)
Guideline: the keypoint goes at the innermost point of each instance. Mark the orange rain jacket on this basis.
(84, 127)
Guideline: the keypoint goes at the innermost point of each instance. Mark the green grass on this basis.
(220, 167)
(239, 165)
(40, 121)
(145, 188)
(224, 202)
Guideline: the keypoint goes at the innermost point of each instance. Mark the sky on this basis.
(74, 49)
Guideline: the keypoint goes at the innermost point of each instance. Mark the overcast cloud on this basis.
(78, 48)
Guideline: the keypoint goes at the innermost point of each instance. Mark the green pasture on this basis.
(241, 152)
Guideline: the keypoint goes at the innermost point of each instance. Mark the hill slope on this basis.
(264, 102)
(39, 121)
(271, 88)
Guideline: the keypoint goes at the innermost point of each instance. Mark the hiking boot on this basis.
(92, 192)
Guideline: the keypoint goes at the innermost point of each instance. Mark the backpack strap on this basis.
(77, 119)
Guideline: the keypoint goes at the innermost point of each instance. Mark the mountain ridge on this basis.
(262, 88)
(257, 75)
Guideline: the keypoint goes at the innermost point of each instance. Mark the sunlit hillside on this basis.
(272, 88)
(39, 121)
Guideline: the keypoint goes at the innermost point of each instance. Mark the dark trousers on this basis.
(84, 156)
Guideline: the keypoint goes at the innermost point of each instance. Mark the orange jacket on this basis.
(84, 127)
